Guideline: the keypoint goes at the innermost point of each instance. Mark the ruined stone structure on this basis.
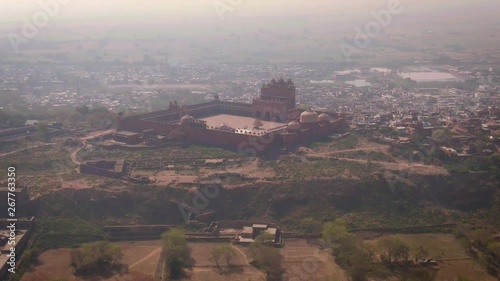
(106, 168)
(284, 125)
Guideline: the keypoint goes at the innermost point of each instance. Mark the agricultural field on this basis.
(140, 257)
(304, 261)
(452, 257)
(300, 260)
(204, 269)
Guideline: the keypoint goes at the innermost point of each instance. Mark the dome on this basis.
(323, 117)
(308, 117)
(294, 125)
(187, 119)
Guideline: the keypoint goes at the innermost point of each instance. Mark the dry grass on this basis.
(204, 269)
(141, 257)
(456, 262)
(306, 262)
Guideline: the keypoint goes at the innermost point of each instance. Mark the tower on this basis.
(276, 99)
(280, 90)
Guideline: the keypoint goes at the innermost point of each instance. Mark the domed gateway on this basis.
(323, 117)
(187, 119)
(293, 126)
(308, 116)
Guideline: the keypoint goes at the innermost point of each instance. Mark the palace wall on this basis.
(276, 103)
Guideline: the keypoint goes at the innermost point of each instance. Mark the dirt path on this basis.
(150, 255)
(248, 262)
(27, 148)
(377, 147)
(160, 266)
(416, 168)
(74, 157)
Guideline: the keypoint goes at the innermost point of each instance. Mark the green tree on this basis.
(228, 254)
(266, 257)
(495, 248)
(481, 237)
(402, 252)
(225, 253)
(359, 265)
(177, 254)
(492, 165)
(420, 253)
(96, 258)
(216, 256)
(264, 238)
(43, 131)
(335, 231)
(442, 135)
(257, 123)
(310, 225)
(393, 249)
(349, 252)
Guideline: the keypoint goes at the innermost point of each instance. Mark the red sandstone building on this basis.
(232, 125)
(106, 168)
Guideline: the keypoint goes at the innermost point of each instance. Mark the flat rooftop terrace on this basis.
(241, 123)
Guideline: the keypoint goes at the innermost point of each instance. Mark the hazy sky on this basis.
(15, 10)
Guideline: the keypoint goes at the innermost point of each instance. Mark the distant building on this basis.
(31, 122)
(250, 233)
(246, 232)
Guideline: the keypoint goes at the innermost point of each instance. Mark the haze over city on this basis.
(278, 140)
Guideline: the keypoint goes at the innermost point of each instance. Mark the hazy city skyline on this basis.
(93, 9)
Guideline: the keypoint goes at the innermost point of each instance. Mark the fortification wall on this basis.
(86, 169)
